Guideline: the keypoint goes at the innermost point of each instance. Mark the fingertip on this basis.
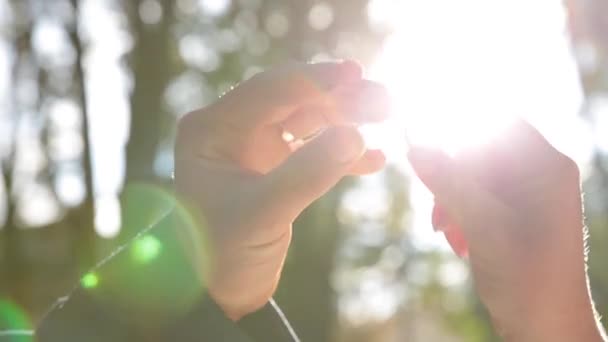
(439, 218)
(376, 154)
(455, 237)
(376, 100)
(372, 161)
(376, 158)
(346, 143)
(363, 101)
(350, 71)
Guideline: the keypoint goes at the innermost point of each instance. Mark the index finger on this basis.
(271, 96)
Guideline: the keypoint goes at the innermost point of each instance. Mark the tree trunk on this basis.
(84, 234)
(151, 63)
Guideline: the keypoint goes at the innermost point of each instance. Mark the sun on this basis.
(460, 71)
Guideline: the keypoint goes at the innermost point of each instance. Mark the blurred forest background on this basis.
(80, 78)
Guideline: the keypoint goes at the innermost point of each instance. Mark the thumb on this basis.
(311, 171)
(471, 207)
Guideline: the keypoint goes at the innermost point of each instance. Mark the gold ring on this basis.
(286, 135)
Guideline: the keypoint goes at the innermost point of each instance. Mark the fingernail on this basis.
(347, 145)
(457, 241)
(439, 218)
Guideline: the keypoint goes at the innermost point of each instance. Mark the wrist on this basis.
(564, 318)
(234, 308)
(241, 288)
(238, 303)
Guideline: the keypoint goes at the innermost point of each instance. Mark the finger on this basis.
(522, 135)
(361, 102)
(467, 204)
(520, 146)
(310, 172)
(514, 160)
(372, 161)
(355, 103)
(429, 165)
(440, 219)
(306, 122)
(452, 232)
(271, 96)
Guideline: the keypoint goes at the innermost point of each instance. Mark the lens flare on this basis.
(460, 72)
(164, 259)
(89, 280)
(15, 323)
(145, 249)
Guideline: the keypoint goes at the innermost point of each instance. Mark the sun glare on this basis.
(460, 71)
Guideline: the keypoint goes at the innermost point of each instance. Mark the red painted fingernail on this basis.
(455, 238)
(439, 218)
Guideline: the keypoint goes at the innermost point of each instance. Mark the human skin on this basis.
(513, 207)
(234, 167)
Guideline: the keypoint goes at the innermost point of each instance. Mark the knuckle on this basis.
(283, 83)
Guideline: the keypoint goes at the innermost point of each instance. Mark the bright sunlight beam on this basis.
(459, 71)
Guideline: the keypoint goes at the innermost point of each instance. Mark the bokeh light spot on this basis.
(164, 269)
(107, 216)
(382, 15)
(146, 249)
(245, 22)
(197, 52)
(37, 205)
(150, 12)
(14, 319)
(257, 43)
(214, 7)
(187, 7)
(321, 16)
(69, 185)
(89, 280)
(277, 24)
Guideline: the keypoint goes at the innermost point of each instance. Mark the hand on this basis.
(251, 162)
(514, 207)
